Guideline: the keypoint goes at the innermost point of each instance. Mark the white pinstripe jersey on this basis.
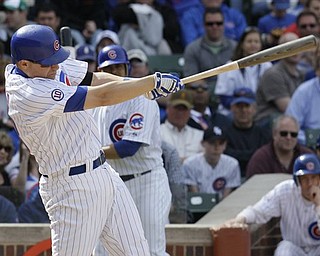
(226, 174)
(298, 216)
(37, 107)
(135, 120)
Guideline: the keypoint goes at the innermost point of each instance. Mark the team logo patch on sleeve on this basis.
(314, 231)
(136, 121)
(116, 130)
(57, 94)
(219, 183)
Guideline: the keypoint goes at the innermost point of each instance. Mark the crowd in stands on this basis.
(216, 133)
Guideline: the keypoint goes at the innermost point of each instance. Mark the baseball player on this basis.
(297, 203)
(84, 197)
(131, 132)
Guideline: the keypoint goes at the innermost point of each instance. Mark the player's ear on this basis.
(22, 64)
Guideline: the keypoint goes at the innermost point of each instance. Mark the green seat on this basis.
(167, 63)
(311, 137)
(201, 202)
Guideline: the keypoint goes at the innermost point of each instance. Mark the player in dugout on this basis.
(85, 198)
(297, 202)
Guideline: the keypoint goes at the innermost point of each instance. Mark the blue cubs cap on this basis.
(85, 52)
(243, 95)
(281, 4)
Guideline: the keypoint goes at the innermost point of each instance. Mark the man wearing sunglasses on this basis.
(202, 115)
(278, 156)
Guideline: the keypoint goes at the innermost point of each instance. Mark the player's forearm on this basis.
(99, 78)
(117, 91)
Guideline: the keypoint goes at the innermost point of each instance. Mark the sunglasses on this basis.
(6, 148)
(285, 134)
(304, 26)
(196, 87)
(211, 23)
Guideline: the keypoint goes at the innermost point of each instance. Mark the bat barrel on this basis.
(280, 51)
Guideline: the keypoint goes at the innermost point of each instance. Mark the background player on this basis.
(131, 133)
(297, 202)
(85, 199)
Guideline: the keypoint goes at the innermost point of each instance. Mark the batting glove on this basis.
(167, 83)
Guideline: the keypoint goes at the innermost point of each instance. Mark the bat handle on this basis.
(66, 40)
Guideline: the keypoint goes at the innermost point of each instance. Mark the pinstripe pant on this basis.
(91, 206)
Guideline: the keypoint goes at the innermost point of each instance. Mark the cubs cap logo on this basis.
(56, 45)
(112, 54)
(310, 166)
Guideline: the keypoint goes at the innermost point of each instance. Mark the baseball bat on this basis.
(66, 40)
(271, 54)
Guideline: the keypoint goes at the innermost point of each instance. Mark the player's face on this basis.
(306, 182)
(33, 69)
(116, 69)
(251, 44)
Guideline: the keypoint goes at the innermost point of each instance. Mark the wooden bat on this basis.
(274, 53)
(66, 41)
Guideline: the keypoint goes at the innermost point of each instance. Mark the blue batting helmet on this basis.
(37, 43)
(305, 164)
(112, 54)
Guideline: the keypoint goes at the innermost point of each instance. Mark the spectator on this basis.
(249, 43)
(105, 38)
(209, 51)
(33, 211)
(87, 53)
(16, 17)
(305, 103)
(201, 115)
(297, 203)
(48, 14)
(278, 155)
(8, 212)
(273, 24)
(6, 152)
(172, 164)
(277, 85)
(138, 63)
(235, 22)
(141, 26)
(190, 15)
(212, 171)
(28, 178)
(317, 148)
(244, 137)
(176, 131)
(90, 31)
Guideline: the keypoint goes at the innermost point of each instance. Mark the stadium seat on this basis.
(311, 137)
(167, 63)
(201, 203)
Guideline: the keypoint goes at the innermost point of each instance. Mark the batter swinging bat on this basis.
(274, 53)
(66, 40)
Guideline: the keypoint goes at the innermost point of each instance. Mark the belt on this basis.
(132, 176)
(75, 170)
